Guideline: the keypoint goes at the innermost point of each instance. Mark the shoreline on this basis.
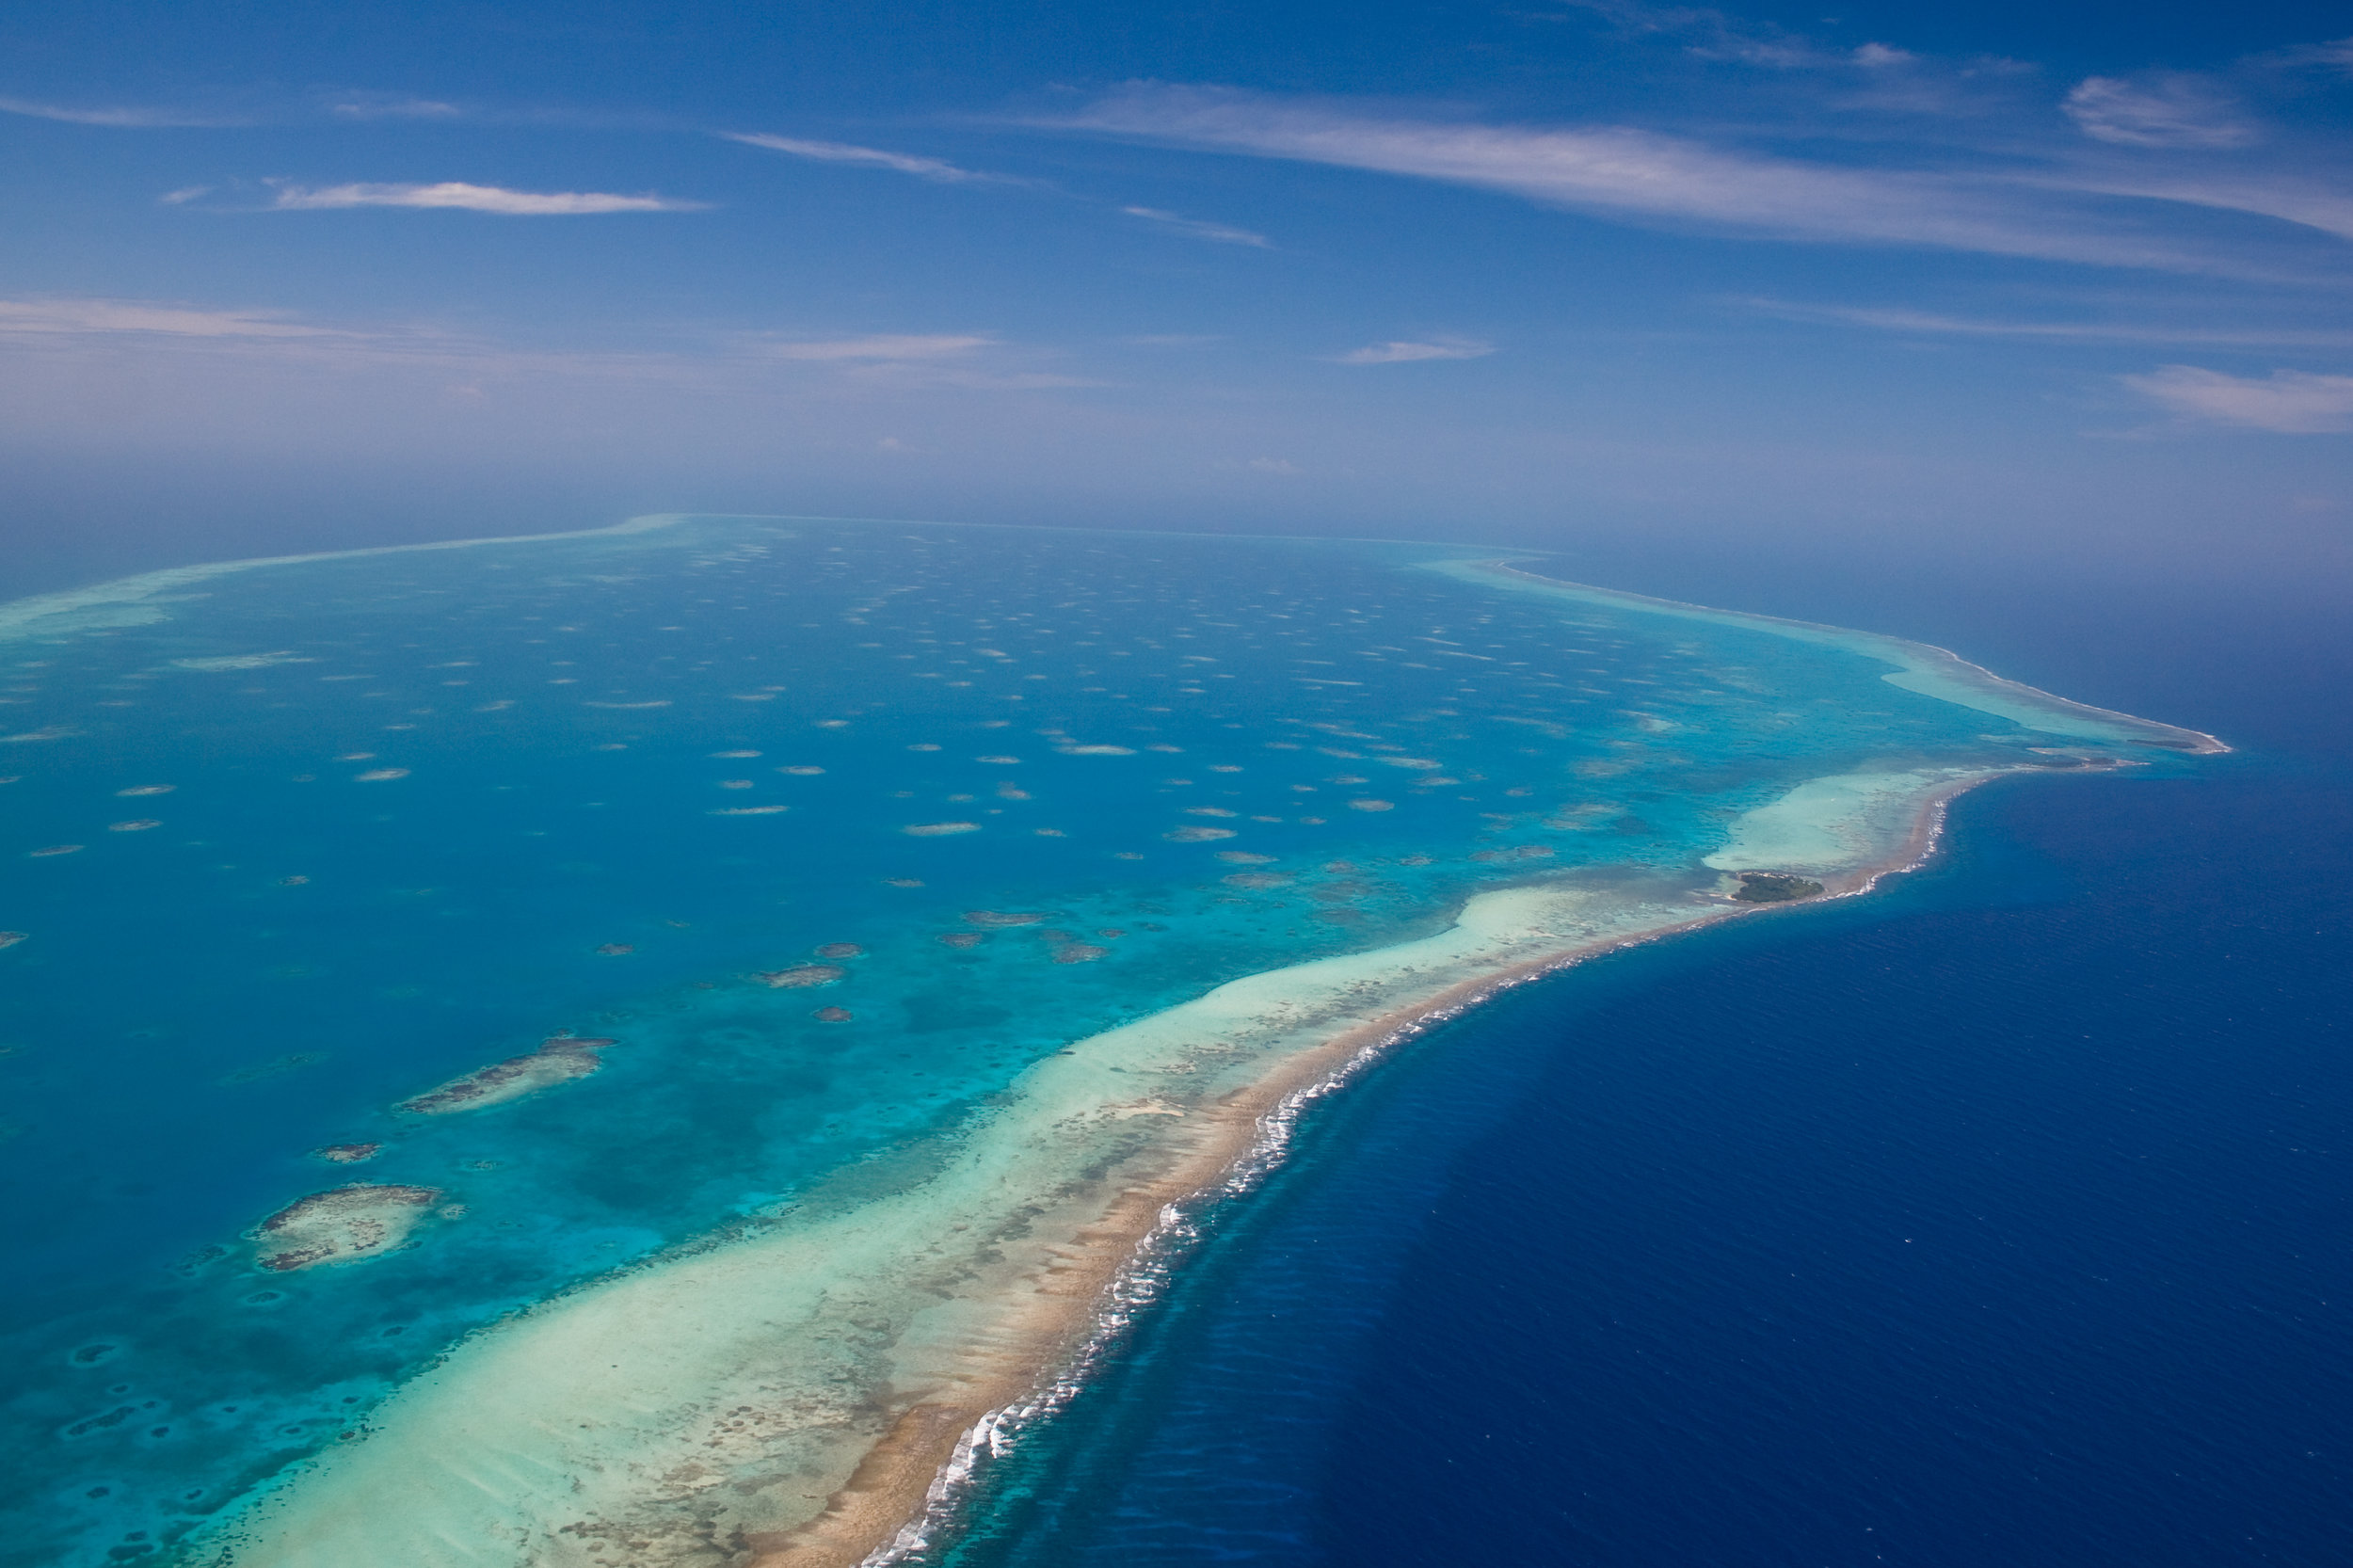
(913, 1484)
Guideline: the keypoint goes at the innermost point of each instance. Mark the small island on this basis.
(341, 1225)
(558, 1060)
(1773, 887)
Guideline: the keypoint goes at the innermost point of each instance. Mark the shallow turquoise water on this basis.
(414, 813)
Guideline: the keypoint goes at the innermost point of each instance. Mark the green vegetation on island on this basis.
(1773, 887)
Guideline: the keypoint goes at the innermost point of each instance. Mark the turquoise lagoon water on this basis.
(292, 844)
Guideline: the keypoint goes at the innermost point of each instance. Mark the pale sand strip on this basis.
(139, 601)
(927, 1449)
(788, 1397)
(1827, 826)
(790, 1394)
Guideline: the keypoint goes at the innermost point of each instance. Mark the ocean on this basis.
(2000, 1217)
(762, 950)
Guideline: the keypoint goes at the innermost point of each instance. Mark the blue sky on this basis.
(2011, 278)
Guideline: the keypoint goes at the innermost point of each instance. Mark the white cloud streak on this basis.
(939, 171)
(1708, 34)
(457, 195)
(880, 346)
(2288, 402)
(2308, 206)
(117, 118)
(883, 362)
(1927, 323)
(1194, 229)
(972, 361)
(2336, 54)
(81, 316)
(1637, 175)
(369, 107)
(2165, 111)
(1407, 353)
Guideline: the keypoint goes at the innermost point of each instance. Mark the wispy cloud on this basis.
(1406, 353)
(119, 116)
(83, 316)
(2287, 198)
(1647, 176)
(2172, 110)
(1194, 229)
(1708, 33)
(972, 361)
(475, 199)
(936, 170)
(884, 347)
(882, 363)
(1896, 319)
(371, 105)
(2335, 54)
(2288, 401)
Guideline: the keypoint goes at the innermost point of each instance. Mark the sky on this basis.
(2005, 283)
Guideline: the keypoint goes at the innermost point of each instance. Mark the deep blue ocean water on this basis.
(2002, 1217)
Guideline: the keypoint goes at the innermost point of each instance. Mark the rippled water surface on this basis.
(764, 850)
